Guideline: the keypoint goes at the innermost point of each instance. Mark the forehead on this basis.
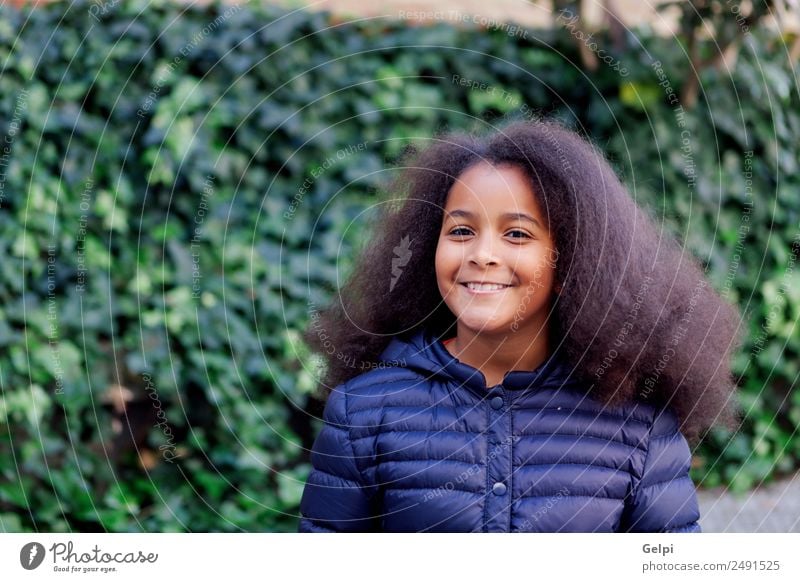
(492, 190)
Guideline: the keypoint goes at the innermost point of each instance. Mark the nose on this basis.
(483, 252)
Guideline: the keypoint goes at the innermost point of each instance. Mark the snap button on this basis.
(499, 488)
(497, 402)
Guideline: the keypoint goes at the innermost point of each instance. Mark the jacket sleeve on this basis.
(664, 499)
(336, 497)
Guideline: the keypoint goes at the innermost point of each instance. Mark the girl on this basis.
(519, 349)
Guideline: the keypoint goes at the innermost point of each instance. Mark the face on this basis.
(493, 231)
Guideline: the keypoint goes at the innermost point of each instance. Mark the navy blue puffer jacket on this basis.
(423, 445)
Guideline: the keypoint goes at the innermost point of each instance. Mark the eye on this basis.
(522, 232)
(459, 228)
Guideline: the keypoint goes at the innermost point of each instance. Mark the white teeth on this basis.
(485, 287)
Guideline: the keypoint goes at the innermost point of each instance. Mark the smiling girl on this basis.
(559, 352)
(495, 270)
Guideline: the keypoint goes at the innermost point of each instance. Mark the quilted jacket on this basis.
(421, 444)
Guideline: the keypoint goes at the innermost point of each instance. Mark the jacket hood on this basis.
(423, 352)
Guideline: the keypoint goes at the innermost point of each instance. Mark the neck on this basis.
(496, 354)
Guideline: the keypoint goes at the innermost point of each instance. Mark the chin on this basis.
(485, 325)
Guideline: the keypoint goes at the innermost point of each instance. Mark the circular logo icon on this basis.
(31, 555)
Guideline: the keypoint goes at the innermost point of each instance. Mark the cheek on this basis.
(447, 265)
(447, 261)
(438, 262)
(543, 273)
(440, 267)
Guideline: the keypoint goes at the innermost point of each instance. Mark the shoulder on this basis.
(368, 392)
(666, 452)
(382, 378)
(660, 422)
(661, 453)
(635, 423)
(575, 396)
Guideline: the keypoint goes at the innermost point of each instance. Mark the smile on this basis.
(485, 288)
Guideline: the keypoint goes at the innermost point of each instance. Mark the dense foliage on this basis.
(180, 187)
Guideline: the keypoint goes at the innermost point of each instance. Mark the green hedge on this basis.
(180, 186)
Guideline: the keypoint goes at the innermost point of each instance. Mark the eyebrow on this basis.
(506, 216)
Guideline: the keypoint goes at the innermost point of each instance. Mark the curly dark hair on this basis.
(635, 315)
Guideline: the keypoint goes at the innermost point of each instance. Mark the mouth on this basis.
(484, 288)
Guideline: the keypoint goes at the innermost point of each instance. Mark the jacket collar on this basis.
(425, 352)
